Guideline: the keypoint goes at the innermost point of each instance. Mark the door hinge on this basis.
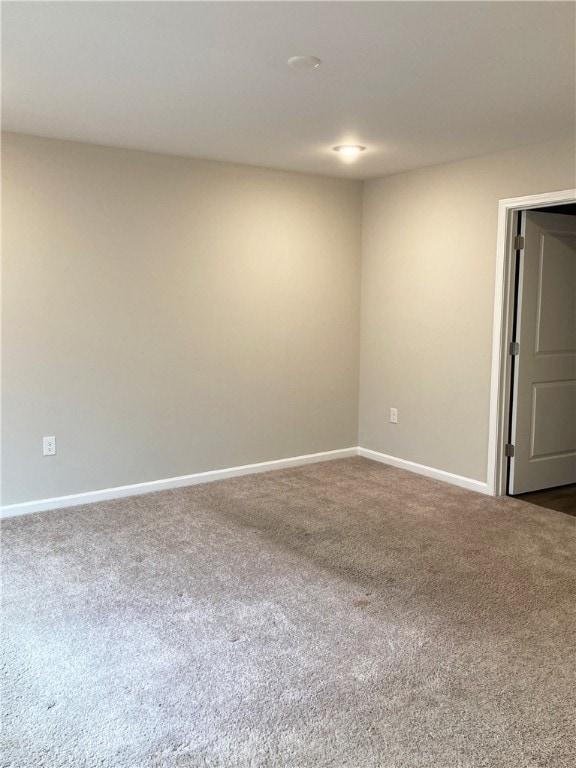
(518, 243)
(508, 450)
(514, 348)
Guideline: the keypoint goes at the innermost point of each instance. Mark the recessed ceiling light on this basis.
(302, 63)
(350, 150)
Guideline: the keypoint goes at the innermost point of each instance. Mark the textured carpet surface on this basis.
(343, 614)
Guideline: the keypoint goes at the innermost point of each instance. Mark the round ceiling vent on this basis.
(303, 63)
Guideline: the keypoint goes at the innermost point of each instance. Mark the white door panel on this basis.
(544, 399)
(556, 317)
(553, 418)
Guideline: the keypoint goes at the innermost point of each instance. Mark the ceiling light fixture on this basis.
(303, 63)
(349, 150)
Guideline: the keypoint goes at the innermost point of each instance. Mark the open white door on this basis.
(544, 387)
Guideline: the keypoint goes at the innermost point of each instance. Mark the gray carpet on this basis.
(342, 614)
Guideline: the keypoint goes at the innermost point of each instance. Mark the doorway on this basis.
(531, 409)
(541, 450)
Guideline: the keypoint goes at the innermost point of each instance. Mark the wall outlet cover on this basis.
(49, 446)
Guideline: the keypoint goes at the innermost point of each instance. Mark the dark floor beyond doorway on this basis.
(562, 498)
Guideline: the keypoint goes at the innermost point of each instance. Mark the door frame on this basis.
(500, 386)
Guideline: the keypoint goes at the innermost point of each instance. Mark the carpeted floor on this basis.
(343, 615)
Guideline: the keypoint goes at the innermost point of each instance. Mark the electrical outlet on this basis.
(393, 415)
(49, 445)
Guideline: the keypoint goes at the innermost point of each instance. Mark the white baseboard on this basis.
(421, 469)
(58, 502)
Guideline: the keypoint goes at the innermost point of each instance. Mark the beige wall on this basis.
(429, 245)
(164, 316)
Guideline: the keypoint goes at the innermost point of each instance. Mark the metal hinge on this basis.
(508, 450)
(514, 348)
(518, 243)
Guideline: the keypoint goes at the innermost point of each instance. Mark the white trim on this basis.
(498, 387)
(58, 502)
(421, 469)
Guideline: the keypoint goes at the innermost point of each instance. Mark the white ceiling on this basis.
(417, 83)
